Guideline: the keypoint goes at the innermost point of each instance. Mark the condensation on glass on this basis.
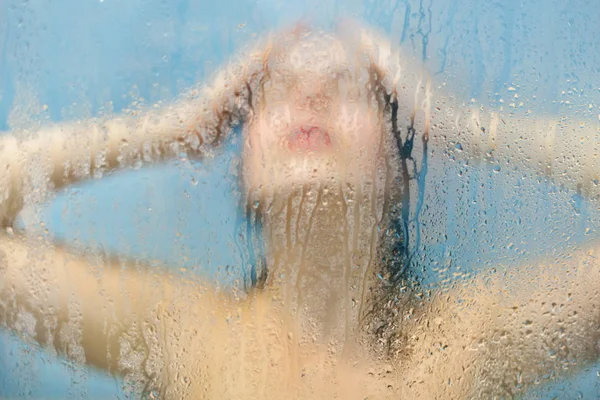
(370, 200)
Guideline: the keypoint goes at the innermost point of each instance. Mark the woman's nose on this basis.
(312, 100)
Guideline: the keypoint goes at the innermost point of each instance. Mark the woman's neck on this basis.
(321, 246)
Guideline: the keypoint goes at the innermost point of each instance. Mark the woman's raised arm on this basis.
(66, 153)
(564, 149)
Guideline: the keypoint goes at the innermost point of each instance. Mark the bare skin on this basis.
(319, 162)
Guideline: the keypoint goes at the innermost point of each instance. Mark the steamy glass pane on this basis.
(319, 199)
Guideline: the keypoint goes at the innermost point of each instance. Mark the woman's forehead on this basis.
(317, 64)
(313, 53)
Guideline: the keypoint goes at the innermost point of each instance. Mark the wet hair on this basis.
(398, 282)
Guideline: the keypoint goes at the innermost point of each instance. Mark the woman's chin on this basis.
(285, 181)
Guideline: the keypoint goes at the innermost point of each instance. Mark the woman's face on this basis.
(311, 130)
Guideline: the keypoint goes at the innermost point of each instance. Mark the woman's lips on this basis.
(309, 137)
